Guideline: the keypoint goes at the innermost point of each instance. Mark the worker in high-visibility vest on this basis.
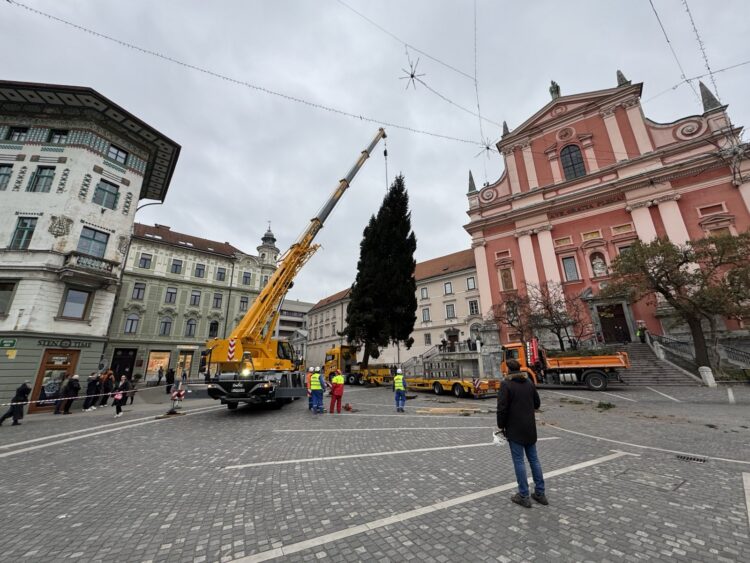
(317, 385)
(310, 371)
(337, 391)
(399, 386)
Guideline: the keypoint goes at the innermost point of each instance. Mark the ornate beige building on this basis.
(448, 312)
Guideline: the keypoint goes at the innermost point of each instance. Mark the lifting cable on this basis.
(385, 161)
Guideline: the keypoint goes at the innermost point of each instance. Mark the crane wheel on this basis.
(351, 379)
(437, 388)
(458, 391)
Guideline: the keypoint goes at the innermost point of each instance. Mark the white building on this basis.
(73, 167)
(448, 312)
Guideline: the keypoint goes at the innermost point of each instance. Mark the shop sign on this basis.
(187, 347)
(7, 342)
(64, 343)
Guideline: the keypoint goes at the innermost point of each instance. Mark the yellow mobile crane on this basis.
(250, 366)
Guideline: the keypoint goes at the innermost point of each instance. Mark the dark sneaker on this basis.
(523, 501)
(541, 499)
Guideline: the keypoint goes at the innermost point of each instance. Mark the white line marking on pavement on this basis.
(372, 454)
(403, 415)
(387, 428)
(402, 517)
(74, 438)
(664, 394)
(646, 447)
(618, 396)
(574, 396)
(53, 436)
(730, 395)
(746, 484)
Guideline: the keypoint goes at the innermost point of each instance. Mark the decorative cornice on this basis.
(650, 202)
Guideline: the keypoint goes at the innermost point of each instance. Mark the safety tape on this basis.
(109, 394)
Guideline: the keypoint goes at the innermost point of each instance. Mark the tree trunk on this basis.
(560, 340)
(699, 341)
(366, 355)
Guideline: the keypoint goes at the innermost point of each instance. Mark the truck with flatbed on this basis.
(250, 366)
(344, 359)
(595, 371)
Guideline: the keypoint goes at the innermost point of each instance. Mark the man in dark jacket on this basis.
(71, 392)
(16, 410)
(92, 393)
(170, 380)
(517, 401)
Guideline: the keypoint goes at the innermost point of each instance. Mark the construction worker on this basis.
(317, 385)
(337, 391)
(399, 386)
(308, 377)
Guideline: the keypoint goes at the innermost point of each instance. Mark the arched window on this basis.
(572, 162)
(165, 326)
(598, 264)
(190, 327)
(131, 324)
(213, 329)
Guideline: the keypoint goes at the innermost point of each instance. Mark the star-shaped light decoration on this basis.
(411, 74)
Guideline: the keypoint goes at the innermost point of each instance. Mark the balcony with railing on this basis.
(89, 270)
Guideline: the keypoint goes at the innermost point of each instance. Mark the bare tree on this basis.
(514, 312)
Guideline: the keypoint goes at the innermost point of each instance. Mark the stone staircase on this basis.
(647, 369)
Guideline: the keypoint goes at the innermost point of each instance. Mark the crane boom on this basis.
(253, 333)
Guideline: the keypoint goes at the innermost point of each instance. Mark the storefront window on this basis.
(155, 361)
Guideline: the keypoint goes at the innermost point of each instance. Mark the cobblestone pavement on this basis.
(222, 486)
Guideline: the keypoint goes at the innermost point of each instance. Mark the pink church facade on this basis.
(586, 176)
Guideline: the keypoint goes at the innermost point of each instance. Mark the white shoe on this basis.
(92, 409)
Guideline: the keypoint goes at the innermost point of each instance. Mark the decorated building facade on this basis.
(73, 167)
(586, 176)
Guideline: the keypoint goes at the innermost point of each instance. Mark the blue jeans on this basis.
(400, 399)
(516, 451)
(317, 397)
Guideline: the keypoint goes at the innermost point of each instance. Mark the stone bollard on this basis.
(659, 351)
(707, 376)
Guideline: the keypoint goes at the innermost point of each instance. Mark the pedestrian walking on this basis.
(516, 403)
(60, 401)
(121, 395)
(16, 410)
(133, 390)
(317, 385)
(399, 386)
(159, 376)
(184, 378)
(106, 387)
(337, 391)
(170, 380)
(71, 392)
(92, 392)
(308, 377)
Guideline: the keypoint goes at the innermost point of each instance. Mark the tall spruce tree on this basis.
(383, 299)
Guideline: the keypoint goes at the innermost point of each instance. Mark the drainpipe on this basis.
(229, 299)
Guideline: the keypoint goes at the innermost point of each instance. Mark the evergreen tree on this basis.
(383, 299)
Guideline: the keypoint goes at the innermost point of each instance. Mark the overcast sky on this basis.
(249, 157)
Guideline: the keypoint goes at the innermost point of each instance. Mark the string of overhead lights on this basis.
(244, 83)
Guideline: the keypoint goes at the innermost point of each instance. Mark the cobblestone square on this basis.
(653, 476)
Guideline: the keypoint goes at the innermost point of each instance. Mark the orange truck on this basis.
(595, 372)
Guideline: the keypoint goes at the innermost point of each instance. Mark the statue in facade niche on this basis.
(598, 265)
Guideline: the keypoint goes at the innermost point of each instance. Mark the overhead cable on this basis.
(409, 45)
(702, 48)
(671, 48)
(250, 85)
